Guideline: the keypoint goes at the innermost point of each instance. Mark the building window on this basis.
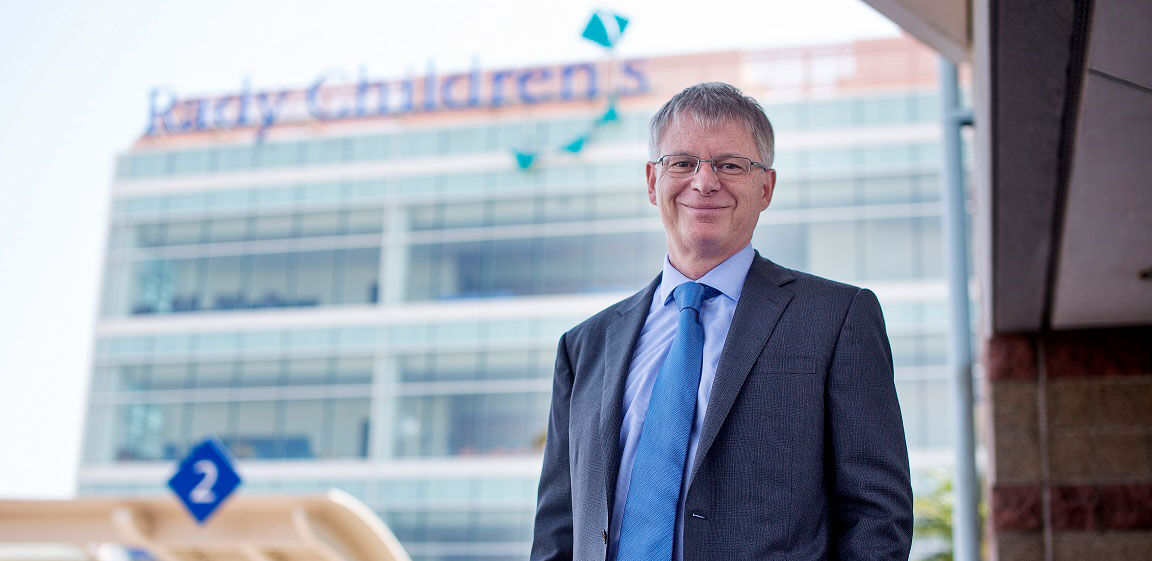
(471, 424)
(247, 282)
(533, 266)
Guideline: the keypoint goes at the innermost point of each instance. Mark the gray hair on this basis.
(710, 104)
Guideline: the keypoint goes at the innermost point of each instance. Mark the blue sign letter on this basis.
(241, 102)
(164, 116)
(631, 70)
(269, 109)
(532, 76)
(566, 75)
(314, 103)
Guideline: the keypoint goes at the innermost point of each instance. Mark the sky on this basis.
(75, 77)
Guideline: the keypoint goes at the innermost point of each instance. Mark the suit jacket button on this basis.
(605, 532)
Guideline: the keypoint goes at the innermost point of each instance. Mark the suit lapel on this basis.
(619, 339)
(762, 301)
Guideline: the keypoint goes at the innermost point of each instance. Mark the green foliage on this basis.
(933, 515)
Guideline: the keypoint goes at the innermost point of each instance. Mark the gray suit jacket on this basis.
(802, 453)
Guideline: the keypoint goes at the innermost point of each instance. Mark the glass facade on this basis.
(875, 110)
(383, 307)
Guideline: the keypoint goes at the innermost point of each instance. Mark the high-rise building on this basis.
(361, 283)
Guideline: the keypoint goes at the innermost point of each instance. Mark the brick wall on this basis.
(1070, 445)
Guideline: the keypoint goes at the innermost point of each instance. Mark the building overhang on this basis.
(944, 25)
(330, 527)
(1062, 98)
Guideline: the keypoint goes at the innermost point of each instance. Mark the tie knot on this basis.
(692, 294)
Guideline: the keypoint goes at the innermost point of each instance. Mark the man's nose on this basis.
(705, 179)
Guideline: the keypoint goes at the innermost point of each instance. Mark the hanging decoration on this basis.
(605, 29)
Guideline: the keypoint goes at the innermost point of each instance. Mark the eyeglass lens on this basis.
(688, 165)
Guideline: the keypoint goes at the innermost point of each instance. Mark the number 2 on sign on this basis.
(202, 493)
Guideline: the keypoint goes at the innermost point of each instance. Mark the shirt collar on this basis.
(727, 277)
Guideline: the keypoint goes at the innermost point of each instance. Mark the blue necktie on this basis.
(649, 522)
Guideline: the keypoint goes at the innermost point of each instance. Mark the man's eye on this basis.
(681, 164)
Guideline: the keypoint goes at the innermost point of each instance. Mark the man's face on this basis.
(707, 216)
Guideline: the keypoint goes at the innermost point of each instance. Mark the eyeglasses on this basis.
(687, 166)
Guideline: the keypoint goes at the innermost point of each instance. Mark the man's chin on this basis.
(706, 245)
(707, 235)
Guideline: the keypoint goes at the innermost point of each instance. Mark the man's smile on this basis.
(700, 206)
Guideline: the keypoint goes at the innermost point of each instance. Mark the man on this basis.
(750, 414)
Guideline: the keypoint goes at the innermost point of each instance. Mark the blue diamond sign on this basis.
(205, 478)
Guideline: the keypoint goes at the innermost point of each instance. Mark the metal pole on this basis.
(965, 517)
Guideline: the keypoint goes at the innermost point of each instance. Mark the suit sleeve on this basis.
(871, 497)
(552, 531)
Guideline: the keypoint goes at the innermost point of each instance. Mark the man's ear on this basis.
(769, 187)
(650, 172)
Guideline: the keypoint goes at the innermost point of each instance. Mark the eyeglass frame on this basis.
(711, 163)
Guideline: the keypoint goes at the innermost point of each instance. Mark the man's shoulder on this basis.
(809, 294)
(800, 282)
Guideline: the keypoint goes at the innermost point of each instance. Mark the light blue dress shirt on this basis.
(651, 349)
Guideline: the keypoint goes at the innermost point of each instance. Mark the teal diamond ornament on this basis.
(605, 28)
(576, 145)
(610, 114)
(621, 23)
(596, 32)
(525, 159)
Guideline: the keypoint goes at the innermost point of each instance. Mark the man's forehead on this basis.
(688, 131)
